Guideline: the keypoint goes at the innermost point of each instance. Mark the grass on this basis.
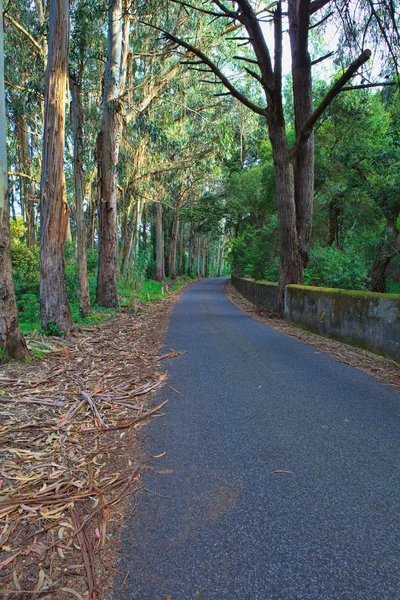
(148, 291)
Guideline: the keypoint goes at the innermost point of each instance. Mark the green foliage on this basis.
(251, 254)
(336, 268)
(52, 329)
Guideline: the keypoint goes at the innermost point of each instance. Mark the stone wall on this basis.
(364, 319)
(260, 293)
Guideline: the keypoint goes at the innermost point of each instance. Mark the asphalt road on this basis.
(220, 522)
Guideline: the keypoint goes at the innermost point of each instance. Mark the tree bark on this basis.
(79, 181)
(299, 21)
(158, 218)
(181, 269)
(291, 264)
(173, 246)
(190, 253)
(198, 256)
(107, 159)
(53, 204)
(389, 249)
(12, 342)
(27, 185)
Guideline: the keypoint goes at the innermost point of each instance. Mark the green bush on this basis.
(331, 267)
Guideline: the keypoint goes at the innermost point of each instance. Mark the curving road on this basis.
(220, 522)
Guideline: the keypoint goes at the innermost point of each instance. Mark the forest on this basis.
(142, 143)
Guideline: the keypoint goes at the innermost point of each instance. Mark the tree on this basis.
(107, 153)
(293, 164)
(12, 342)
(79, 181)
(54, 210)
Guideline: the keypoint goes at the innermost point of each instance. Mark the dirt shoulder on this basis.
(382, 368)
(70, 454)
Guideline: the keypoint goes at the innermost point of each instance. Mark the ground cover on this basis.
(69, 451)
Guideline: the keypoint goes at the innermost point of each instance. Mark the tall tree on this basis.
(12, 342)
(54, 305)
(107, 153)
(293, 164)
(79, 184)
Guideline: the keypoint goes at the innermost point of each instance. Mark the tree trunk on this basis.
(389, 249)
(107, 157)
(79, 180)
(158, 217)
(190, 253)
(27, 186)
(291, 264)
(54, 306)
(131, 249)
(207, 261)
(172, 246)
(218, 259)
(198, 257)
(12, 342)
(182, 250)
(91, 218)
(299, 20)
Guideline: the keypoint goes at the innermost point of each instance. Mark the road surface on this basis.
(220, 520)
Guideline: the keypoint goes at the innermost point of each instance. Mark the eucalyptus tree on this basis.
(84, 74)
(26, 59)
(54, 307)
(294, 164)
(120, 108)
(12, 343)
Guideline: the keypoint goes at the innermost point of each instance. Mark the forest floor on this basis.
(70, 454)
(384, 369)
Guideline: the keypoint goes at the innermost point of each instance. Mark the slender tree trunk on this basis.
(12, 342)
(27, 186)
(158, 217)
(182, 250)
(172, 246)
(389, 249)
(222, 258)
(145, 224)
(218, 259)
(107, 157)
(198, 257)
(207, 261)
(190, 253)
(53, 204)
(131, 249)
(79, 180)
(335, 212)
(91, 217)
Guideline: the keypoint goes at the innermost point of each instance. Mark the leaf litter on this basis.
(69, 454)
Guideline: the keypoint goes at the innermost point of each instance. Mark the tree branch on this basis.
(26, 34)
(364, 86)
(333, 92)
(326, 17)
(202, 10)
(249, 60)
(317, 5)
(255, 75)
(321, 58)
(260, 48)
(152, 94)
(228, 13)
(213, 67)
